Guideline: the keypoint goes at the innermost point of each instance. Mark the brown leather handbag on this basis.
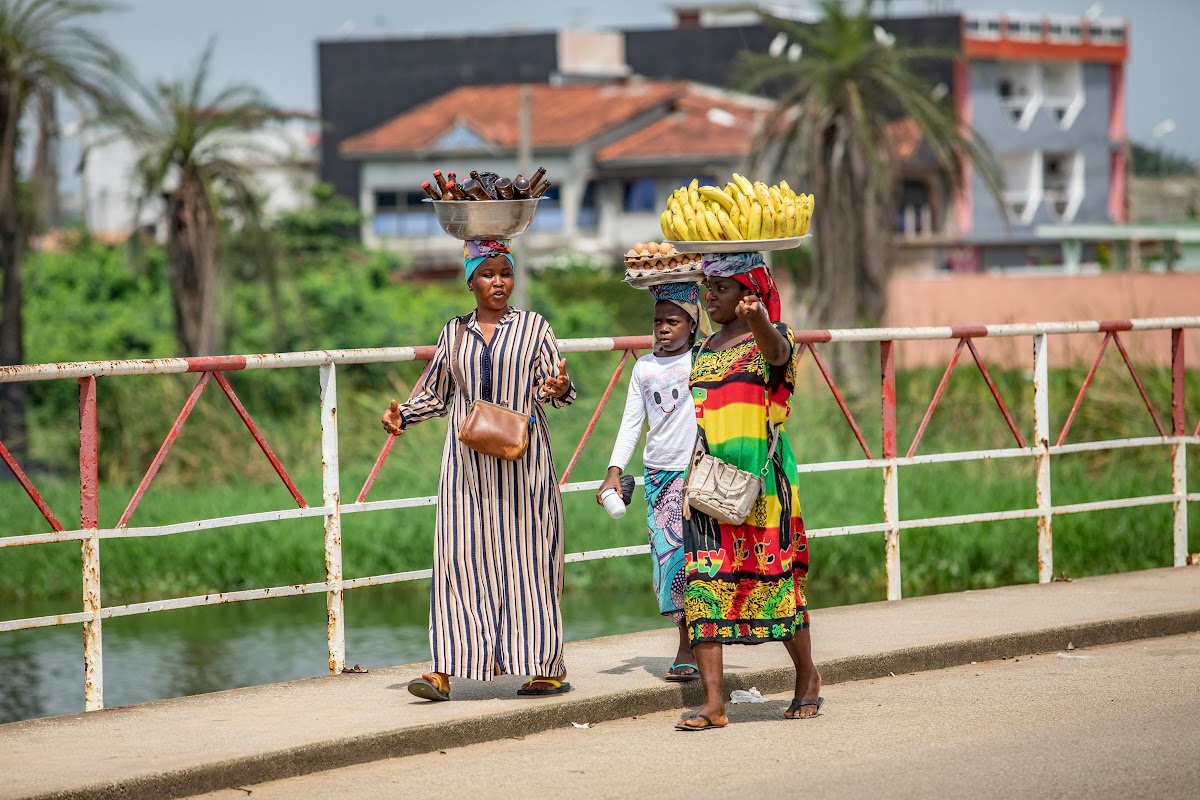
(492, 429)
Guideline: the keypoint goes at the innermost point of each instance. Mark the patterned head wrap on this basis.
(476, 250)
(750, 271)
(686, 296)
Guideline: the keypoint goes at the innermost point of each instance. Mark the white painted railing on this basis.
(332, 509)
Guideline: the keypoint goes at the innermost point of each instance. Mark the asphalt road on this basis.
(1120, 721)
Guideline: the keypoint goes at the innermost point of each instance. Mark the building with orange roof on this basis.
(614, 151)
(1047, 94)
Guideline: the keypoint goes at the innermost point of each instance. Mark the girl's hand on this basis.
(750, 307)
(393, 423)
(559, 384)
(611, 481)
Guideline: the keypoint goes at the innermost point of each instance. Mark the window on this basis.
(387, 200)
(1022, 185)
(1019, 88)
(1062, 183)
(1062, 90)
(589, 215)
(640, 195)
(1107, 32)
(983, 26)
(1026, 28)
(1065, 30)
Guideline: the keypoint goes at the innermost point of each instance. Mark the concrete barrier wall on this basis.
(991, 299)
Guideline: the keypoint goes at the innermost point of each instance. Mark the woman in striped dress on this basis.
(745, 583)
(498, 550)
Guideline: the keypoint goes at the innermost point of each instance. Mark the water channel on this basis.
(197, 650)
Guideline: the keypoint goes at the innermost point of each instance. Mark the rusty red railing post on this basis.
(89, 520)
(891, 475)
(1041, 435)
(587, 434)
(1179, 448)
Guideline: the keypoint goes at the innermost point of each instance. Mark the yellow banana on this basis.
(768, 222)
(693, 191)
(789, 215)
(776, 199)
(744, 184)
(679, 225)
(743, 225)
(717, 196)
(689, 214)
(754, 230)
(679, 219)
(664, 222)
(762, 195)
(731, 231)
(744, 204)
(787, 190)
(714, 225)
(702, 224)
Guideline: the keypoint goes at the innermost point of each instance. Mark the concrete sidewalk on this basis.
(191, 745)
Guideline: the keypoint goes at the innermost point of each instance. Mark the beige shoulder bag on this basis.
(721, 490)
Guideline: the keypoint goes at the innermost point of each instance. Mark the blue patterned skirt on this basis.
(664, 526)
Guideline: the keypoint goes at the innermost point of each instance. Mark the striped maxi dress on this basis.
(498, 540)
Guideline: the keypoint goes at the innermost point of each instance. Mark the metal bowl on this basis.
(484, 219)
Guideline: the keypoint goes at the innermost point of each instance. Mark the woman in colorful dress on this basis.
(658, 393)
(498, 540)
(745, 583)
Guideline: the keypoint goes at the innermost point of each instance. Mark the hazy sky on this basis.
(272, 43)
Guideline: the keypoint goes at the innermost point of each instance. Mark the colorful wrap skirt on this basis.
(664, 528)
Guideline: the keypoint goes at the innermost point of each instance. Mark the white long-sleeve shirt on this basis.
(658, 392)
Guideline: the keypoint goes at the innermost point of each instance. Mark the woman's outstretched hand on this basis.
(393, 423)
(559, 384)
(750, 307)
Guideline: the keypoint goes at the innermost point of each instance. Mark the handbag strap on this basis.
(455, 368)
(772, 430)
(460, 325)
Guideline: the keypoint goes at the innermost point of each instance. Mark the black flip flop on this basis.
(557, 687)
(426, 690)
(708, 723)
(798, 704)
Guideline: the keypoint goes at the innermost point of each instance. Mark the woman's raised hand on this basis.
(393, 423)
(560, 383)
(750, 307)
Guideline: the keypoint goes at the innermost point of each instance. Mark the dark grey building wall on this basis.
(363, 84)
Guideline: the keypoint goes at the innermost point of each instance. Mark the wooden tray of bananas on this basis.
(741, 217)
(647, 264)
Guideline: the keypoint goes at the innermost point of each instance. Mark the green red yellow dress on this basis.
(745, 583)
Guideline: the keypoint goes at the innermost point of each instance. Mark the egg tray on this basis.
(644, 279)
(649, 264)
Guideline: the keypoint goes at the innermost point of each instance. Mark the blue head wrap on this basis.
(475, 251)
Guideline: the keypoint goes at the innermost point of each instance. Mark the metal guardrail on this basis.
(889, 462)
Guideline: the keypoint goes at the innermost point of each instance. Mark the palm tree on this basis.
(844, 81)
(45, 50)
(192, 151)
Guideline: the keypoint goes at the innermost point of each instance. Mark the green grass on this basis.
(215, 470)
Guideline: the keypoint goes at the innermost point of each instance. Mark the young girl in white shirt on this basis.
(659, 394)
